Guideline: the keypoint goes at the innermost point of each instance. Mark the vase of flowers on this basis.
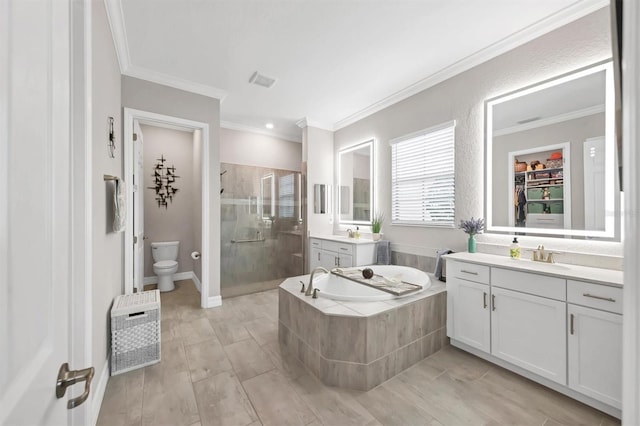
(472, 227)
(376, 225)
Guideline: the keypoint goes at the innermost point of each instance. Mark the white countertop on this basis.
(342, 239)
(609, 277)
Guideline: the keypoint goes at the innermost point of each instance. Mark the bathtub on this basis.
(337, 288)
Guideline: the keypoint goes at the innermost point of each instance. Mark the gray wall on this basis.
(461, 98)
(107, 264)
(152, 97)
(173, 223)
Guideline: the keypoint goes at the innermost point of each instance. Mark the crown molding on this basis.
(551, 120)
(307, 122)
(118, 32)
(245, 128)
(115, 16)
(557, 20)
(175, 82)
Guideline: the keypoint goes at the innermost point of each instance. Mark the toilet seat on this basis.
(165, 264)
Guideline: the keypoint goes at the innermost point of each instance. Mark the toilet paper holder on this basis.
(195, 255)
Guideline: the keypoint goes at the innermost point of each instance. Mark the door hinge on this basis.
(135, 137)
(135, 239)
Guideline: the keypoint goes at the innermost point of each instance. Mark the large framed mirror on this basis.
(355, 184)
(551, 160)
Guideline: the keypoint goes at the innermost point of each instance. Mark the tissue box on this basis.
(135, 331)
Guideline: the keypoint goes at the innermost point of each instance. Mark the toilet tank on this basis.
(165, 250)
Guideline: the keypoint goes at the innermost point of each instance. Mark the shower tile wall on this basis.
(256, 265)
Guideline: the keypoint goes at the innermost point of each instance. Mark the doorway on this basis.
(134, 235)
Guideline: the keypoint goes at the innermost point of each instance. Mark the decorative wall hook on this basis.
(164, 179)
(111, 143)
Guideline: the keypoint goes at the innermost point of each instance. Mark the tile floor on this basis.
(223, 366)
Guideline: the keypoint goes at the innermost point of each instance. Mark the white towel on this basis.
(119, 206)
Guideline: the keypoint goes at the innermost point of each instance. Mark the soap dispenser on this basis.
(357, 234)
(514, 249)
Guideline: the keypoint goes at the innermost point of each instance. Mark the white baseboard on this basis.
(196, 281)
(214, 301)
(98, 392)
(183, 276)
(150, 280)
(189, 275)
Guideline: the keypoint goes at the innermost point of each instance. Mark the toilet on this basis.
(165, 255)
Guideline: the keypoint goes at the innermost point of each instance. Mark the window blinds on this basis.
(287, 192)
(422, 178)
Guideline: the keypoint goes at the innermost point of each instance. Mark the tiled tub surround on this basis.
(358, 345)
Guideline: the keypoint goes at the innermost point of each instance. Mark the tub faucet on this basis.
(310, 286)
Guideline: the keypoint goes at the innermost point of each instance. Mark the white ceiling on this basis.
(335, 61)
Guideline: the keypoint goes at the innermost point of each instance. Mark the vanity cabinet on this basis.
(468, 285)
(329, 253)
(595, 341)
(562, 332)
(529, 331)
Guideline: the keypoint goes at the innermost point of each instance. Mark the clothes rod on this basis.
(109, 177)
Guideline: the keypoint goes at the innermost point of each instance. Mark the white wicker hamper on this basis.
(135, 331)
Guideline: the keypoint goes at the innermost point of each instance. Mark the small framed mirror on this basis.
(355, 184)
(551, 160)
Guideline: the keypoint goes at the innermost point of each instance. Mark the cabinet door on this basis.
(530, 332)
(595, 354)
(328, 259)
(315, 258)
(471, 314)
(345, 260)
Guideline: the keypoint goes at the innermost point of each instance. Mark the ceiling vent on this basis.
(262, 80)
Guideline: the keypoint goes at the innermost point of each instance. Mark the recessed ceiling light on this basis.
(269, 125)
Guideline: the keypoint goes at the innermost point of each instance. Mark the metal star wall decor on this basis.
(164, 180)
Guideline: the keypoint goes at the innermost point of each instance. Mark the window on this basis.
(287, 196)
(422, 178)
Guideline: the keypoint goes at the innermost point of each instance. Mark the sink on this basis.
(543, 266)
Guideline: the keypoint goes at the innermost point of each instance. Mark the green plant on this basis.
(376, 222)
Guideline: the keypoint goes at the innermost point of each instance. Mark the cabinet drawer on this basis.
(538, 285)
(316, 243)
(335, 247)
(595, 296)
(468, 271)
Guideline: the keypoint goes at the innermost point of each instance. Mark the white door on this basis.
(595, 354)
(529, 331)
(138, 208)
(35, 224)
(471, 313)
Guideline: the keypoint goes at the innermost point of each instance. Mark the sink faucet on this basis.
(350, 232)
(310, 286)
(539, 255)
